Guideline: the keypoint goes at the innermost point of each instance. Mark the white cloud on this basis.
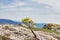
(26, 9)
(14, 12)
(53, 3)
(46, 18)
(17, 16)
(14, 4)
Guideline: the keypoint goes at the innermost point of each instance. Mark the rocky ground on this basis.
(21, 33)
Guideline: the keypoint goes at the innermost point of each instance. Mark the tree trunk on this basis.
(30, 25)
(33, 33)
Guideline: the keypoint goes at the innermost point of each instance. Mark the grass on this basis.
(30, 39)
(44, 30)
(4, 38)
(58, 38)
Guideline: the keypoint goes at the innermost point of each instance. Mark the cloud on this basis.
(15, 3)
(42, 7)
(38, 10)
(54, 3)
(17, 16)
(19, 9)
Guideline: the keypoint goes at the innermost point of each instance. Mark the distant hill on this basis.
(3, 21)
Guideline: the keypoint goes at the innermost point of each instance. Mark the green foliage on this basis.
(30, 39)
(27, 20)
(30, 24)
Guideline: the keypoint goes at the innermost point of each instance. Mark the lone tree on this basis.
(30, 24)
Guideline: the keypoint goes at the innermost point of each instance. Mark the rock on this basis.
(21, 33)
(52, 26)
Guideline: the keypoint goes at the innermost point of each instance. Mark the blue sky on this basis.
(41, 11)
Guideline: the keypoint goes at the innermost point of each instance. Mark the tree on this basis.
(30, 24)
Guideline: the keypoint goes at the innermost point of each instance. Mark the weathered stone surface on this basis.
(21, 33)
(52, 26)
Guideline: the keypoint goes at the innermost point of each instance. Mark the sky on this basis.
(40, 11)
